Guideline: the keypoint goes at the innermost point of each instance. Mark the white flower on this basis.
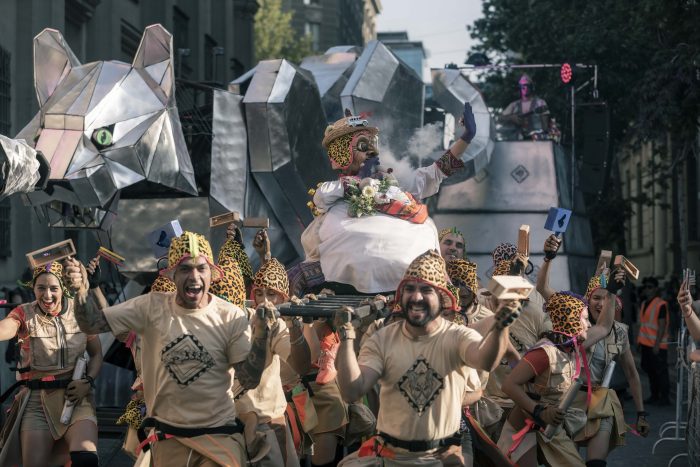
(381, 198)
(369, 191)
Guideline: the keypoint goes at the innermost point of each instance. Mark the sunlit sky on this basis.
(440, 24)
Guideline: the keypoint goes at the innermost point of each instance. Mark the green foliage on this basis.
(648, 56)
(274, 35)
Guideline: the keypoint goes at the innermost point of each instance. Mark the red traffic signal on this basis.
(566, 73)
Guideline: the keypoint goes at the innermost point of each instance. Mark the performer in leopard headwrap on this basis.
(50, 344)
(548, 369)
(421, 364)
(192, 343)
(605, 424)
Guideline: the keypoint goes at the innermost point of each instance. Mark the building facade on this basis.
(411, 52)
(334, 22)
(664, 209)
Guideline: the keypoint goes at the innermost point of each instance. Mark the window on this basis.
(131, 37)
(313, 30)
(5, 121)
(181, 38)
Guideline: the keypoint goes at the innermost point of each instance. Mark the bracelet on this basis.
(298, 340)
(536, 415)
(90, 380)
(547, 260)
(642, 413)
(346, 333)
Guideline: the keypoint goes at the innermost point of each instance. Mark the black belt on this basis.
(166, 429)
(35, 384)
(420, 446)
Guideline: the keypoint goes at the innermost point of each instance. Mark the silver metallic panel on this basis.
(19, 168)
(389, 92)
(229, 152)
(451, 90)
(520, 177)
(52, 59)
(331, 72)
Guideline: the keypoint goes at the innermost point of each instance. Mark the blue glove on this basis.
(469, 124)
(368, 167)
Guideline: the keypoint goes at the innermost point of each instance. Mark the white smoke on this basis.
(421, 143)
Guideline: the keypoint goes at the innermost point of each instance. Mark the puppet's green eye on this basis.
(102, 137)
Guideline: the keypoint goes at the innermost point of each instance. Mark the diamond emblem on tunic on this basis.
(421, 385)
(186, 359)
(520, 173)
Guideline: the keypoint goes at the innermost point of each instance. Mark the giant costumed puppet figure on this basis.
(368, 228)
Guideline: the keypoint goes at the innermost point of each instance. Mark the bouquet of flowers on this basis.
(364, 195)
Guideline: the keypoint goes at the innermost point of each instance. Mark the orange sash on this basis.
(413, 211)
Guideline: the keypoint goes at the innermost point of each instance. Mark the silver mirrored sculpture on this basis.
(106, 126)
(285, 123)
(451, 89)
(388, 91)
(21, 167)
(331, 72)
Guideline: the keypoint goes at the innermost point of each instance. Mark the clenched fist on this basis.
(75, 276)
(507, 313)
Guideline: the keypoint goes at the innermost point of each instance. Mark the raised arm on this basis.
(88, 305)
(685, 300)
(606, 318)
(551, 247)
(299, 354)
(494, 345)
(354, 380)
(249, 371)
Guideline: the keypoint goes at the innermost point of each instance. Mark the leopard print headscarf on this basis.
(565, 311)
(504, 252)
(271, 275)
(163, 284)
(464, 272)
(55, 268)
(429, 268)
(231, 287)
(232, 249)
(596, 283)
(190, 245)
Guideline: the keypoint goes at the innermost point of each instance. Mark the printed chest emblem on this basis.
(421, 385)
(186, 359)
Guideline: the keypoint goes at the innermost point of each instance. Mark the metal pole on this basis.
(573, 147)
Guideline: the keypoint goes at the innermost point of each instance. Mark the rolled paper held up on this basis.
(564, 405)
(78, 373)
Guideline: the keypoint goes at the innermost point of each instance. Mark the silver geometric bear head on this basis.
(107, 125)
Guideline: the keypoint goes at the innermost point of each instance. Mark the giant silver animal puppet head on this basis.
(105, 126)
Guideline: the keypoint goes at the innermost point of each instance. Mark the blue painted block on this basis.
(557, 220)
(160, 238)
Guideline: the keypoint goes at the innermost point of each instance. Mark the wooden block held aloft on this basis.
(112, 257)
(524, 240)
(224, 219)
(630, 269)
(51, 253)
(256, 222)
(603, 261)
(510, 287)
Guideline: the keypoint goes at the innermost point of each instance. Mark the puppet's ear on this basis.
(53, 60)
